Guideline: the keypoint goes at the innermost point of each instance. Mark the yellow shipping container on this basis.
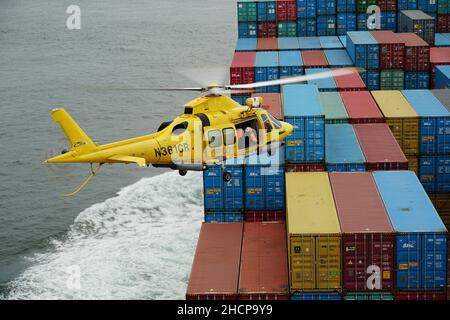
(442, 204)
(413, 164)
(314, 233)
(401, 118)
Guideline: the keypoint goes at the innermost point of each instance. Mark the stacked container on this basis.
(247, 18)
(272, 103)
(417, 61)
(442, 77)
(306, 18)
(291, 64)
(330, 42)
(333, 108)
(242, 70)
(314, 241)
(326, 84)
(338, 58)
(438, 56)
(421, 246)
(314, 59)
(266, 68)
(419, 23)
(361, 107)
(350, 82)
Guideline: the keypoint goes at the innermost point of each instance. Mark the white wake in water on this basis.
(137, 245)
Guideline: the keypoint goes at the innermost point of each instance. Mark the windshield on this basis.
(276, 122)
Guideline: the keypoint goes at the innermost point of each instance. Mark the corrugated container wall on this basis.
(392, 49)
(417, 52)
(363, 50)
(266, 68)
(314, 241)
(291, 64)
(242, 68)
(438, 56)
(419, 23)
(442, 77)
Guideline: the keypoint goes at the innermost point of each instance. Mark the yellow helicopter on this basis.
(212, 128)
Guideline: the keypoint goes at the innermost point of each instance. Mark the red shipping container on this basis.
(438, 56)
(417, 52)
(271, 103)
(443, 23)
(264, 268)
(392, 49)
(215, 269)
(361, 107)
(387, 5)
(380, 147)
(367, 235)
(267, 29)
(265, 215)
(350, 82)
(314, 59)
(286, 10)
(267, 44)
(242, 68)
(421, 295)
(306, 167)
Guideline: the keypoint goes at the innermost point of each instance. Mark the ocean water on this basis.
(131, 233)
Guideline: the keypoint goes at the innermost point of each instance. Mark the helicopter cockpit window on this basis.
(228, 136)
(180, 128)
(266, 122)
(215, 139)
(275, 121)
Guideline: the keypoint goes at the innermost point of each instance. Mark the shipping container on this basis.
(305, 167)
(434, 173)
(428, 6)
(387, 5)
(288, 43)
(242, 68)
(338, 58)
(421, 236)
(267, 29)
(247, 29)
(443, 23)
(330, 42)
(413, 164)
(389, 21)
(246, 11)
(326, 7)
(326, 25)
(309, 43)
(440, 40)
(417, 52)
(434, 122)
(264, 271)
(343, 40)
(421, 295)
(362, 5)
(363, 49)
(345, 22)
(401, 118)
(392, 49)
(287, 29)
(325, 84)
(301, 107)
(306, 27)
(371, 79)
(314, 241)
(342, 149)
(345, 6)
(361, 22)
(291, 64)
(443, 96)
(246, 44)
(442, 77)
(438, 56)
(286, 10)
(272, 103)
(361, 107)
(406, 5)
(368, 238)
(417, 80)
(266, 68)
(380, 148)
(369, 296)
(267, 11)
(392, 80)
(218, 252)
(316, 296)
(350, 82)
(241, 99)
(443, 6)
(264, 215)
(419, 23)
(441, 203)
(314, 59)
(306, 9)
(220, 216)
(267, 44)
(333, 108)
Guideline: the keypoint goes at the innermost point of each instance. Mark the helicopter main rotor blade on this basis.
(292, 80)
(164, 89)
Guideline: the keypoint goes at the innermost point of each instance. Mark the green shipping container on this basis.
(362, 5)
(246, 11)
(443, 6)
(392, 80)
(333, 108)
(369, 296)
(287, 29)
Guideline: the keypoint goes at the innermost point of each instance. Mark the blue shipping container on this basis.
(417, 80)
(361, 22)
(219, 194)
(316, 296)
(266, 68)
(326, 7)
(223, 216)
(406, 5)
(441, 40)
(291, 63)
(246, 44)
(345, 6)
(421, 262)
(338, 58)
(267, 10)
(306, 9)
(309, 43)
(428, 6)
(434, 173)
(342, 149)
(330, 42)
(247, 30)
(325, 84)
(442, 77)
(345, 22)
(302, 109)
(288, 43)
(363, 50)
(343, 39)
(326, 25)
(306, 27)
(240, 99)
(371, 79)
(389, 21)
(434, 128)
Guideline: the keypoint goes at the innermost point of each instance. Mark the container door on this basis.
(328, 251)
(302, 260)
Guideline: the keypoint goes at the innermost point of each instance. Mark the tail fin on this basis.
(76, 135)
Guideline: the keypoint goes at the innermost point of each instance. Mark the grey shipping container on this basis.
(419, 23)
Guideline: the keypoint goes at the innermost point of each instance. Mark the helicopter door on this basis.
(229, 142)
(214, 144)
